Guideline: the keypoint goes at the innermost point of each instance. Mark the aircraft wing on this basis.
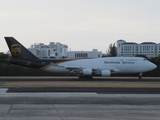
(92, 71)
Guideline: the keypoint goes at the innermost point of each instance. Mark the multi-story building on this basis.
(49, 51)
(84, 54)
(150, 49)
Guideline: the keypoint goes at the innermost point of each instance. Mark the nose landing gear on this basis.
(140, 76)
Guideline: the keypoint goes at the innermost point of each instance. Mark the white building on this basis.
(84, 54)
(150, 49)
(49, 51)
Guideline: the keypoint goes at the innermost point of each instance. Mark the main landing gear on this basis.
(140, 76)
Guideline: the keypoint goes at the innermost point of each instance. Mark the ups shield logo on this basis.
(16, 49)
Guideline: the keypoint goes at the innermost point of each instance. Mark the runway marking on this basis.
(72, 93)
(56, 93)
(3, 90)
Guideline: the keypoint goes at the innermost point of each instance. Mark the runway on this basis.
(79, 103)
(75, 78)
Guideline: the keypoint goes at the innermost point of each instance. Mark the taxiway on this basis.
(79, 106)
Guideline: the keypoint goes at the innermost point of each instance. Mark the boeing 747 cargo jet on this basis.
(84, 68)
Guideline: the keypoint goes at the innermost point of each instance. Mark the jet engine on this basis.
(87, 71)
(105, 73)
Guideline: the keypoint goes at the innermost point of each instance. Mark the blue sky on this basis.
(81, 24)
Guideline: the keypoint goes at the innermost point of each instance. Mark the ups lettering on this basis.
(15, 50)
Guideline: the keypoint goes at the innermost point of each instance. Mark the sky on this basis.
(81, 24)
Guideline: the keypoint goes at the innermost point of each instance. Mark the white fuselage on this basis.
(113, 64)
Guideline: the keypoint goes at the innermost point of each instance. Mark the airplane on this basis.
(84, 68)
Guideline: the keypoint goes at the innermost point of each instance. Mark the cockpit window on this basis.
(144, 59)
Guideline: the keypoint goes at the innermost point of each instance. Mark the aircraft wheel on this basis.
(140, 76)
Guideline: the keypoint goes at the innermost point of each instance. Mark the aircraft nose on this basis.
(152, 66)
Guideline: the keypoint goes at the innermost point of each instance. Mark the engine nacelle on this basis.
(87, 71)
(105, 73)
